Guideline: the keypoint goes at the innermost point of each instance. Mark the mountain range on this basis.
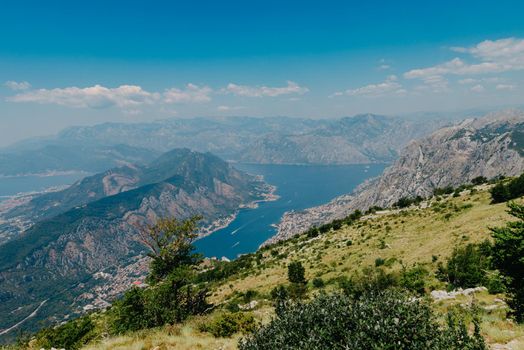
(489, 146)
(82, 247)
(360, 139)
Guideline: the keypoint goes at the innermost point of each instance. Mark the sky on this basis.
(65, 63)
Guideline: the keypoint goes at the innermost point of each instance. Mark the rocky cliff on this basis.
(489, 146)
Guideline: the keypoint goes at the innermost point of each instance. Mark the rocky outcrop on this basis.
(451, 156)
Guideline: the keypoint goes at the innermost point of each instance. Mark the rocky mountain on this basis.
(87, 234)
(279, 140)
(489, 146)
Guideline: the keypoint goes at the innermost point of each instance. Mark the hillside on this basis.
(488, 147)
(422, 236)
(88, 254)
(279, 140)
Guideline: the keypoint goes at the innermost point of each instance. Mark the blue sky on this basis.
(68, 63)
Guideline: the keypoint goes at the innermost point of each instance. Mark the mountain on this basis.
(52, 156)
(278, 140)
(84, 247)
(489, 146)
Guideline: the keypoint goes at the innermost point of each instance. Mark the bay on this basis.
(299, 187)
(10, 186)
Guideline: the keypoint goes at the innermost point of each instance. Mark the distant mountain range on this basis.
(489, 146)
(352, 140)
(89, 230)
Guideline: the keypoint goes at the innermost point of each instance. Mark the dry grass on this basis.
(413, 236)
(186, 337)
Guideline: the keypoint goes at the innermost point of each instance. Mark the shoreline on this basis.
(224, 222)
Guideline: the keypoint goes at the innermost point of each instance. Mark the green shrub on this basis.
(383, 320)
(71, 335)
(296, 272)
(318, 282)
(227, 324)
(467, 266)
(414, 279)
(503, 192)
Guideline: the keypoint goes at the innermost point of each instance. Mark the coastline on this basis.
(224, 222)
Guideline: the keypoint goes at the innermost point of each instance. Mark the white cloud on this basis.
(384, 67)
(492, 57)
(14, 85)
(191, 94)
(124, 96)
(229, 108)
(507, 87)
(263, 91)
(478, 88)
(389, 86)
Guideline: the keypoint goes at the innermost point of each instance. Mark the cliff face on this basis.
(489, 146)
(59, 257)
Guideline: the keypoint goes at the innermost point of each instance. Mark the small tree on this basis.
(467, 265)
(171, 245)
(296, 273)
(508, 256)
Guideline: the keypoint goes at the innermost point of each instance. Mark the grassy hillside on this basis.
(422, 235)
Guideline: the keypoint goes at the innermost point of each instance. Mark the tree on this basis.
(467, 265)
(296, 272)
(508, 256)
(171, 245)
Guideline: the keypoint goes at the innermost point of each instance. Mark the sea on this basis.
(299, 187)
(14, 185)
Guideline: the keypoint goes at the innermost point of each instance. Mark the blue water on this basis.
(10, 186)
(299, 187)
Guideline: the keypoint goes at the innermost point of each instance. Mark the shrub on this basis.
(71, 335)
(296, 272)
(414, 279)
(227, 324)
(318, 282)
(467, 266)
(479, 180)
(170, 301)
(383, 320)
(503, 192)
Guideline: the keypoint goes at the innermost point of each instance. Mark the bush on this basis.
(503, 192)
(479, 180)
(296, 272)
(318, 282)
(467, 266)
(170, 301)
(383, 320)
(71, 335)
(227, 324)
(414, 279)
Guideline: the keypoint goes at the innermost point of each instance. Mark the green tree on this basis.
(171, 245)
(296, 272)
(467, 266)
(508, 256)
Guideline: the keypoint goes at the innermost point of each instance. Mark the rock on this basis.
(439, 295)
(249, 306)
